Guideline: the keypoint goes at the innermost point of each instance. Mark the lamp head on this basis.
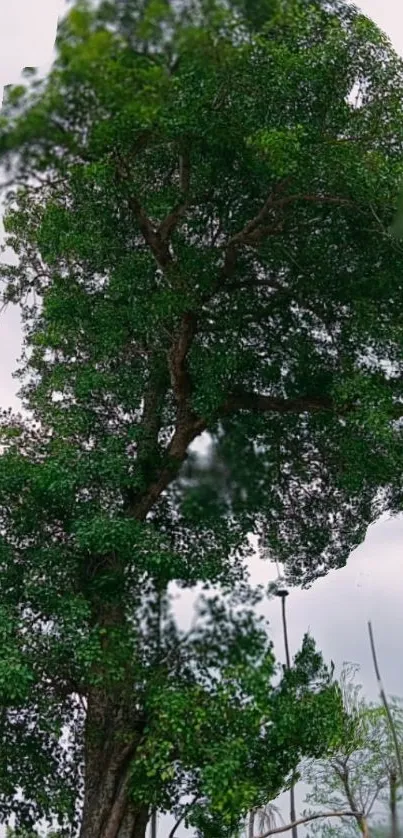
(281, 592)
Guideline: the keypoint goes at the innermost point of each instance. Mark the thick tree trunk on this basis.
(108, 811)
(134, 825)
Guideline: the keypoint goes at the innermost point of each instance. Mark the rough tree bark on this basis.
(108, 811)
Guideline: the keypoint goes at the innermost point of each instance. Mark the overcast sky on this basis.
(336, 609)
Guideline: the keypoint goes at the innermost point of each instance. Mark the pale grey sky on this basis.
(27, 34)
(336, 608)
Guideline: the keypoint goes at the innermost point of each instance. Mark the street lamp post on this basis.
(283, 594)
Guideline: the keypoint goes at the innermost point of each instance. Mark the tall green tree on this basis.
(199, 200)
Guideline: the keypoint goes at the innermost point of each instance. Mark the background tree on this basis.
(363, 773)
(200, 208)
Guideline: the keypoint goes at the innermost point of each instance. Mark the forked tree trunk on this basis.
(108, 810)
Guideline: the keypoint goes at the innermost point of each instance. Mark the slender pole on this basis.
(153, 830)
(392, 728)
(283, 594)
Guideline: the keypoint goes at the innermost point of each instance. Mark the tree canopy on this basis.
(199, 198)
(209, 241)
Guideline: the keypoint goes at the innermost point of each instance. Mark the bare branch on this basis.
(345, 779)
(278, 829)
(371, 802)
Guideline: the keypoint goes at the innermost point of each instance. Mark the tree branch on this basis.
(316, 199)
(158, 247)
(175, 455)
(245, 400)
(273, 404)
(259, 219)
(158, 238)
(257, 228)
(177, 358)
(278, 829)
(148, 451)
(169, 224)
(371, 802)
(360, 817)
(189, 426)
(182, 817)
(258, 223)
(119, 803)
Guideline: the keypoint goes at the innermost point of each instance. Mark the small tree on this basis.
(362, 774)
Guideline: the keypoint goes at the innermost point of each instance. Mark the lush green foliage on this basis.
(217, 721)
(209, 233)
(200, 215)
